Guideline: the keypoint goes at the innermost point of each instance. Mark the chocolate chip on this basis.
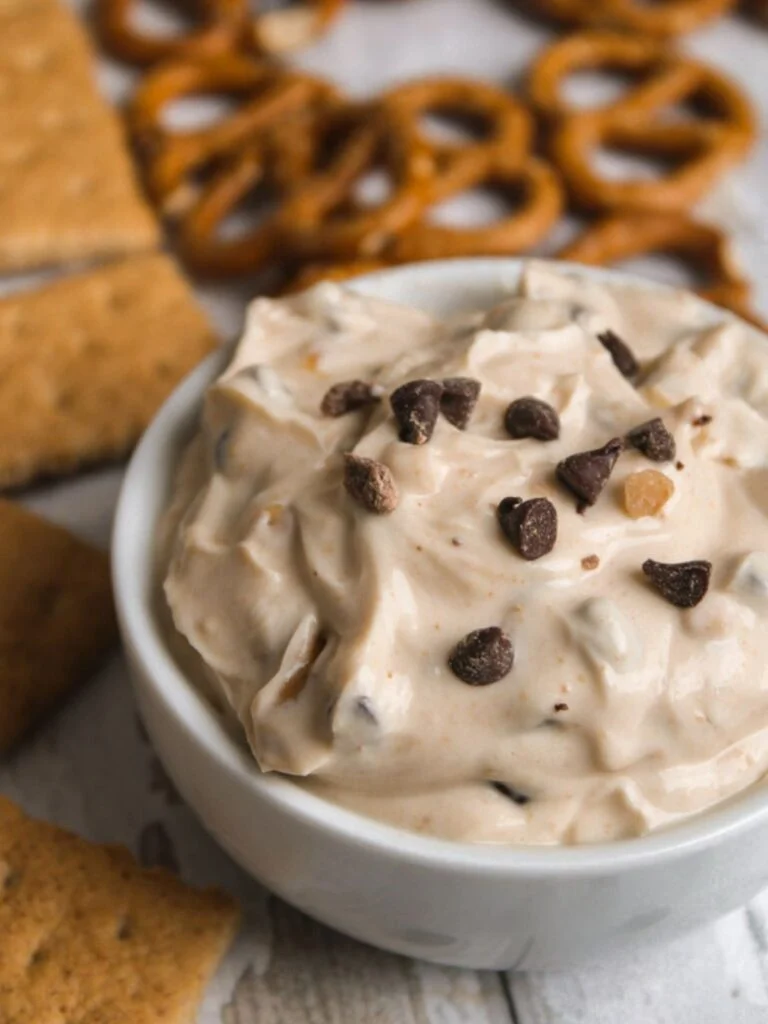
(530, 417)
(347, 396)
(622, 355)
(683, 584)
(484, 656)
(679, 466)
(561, 707)
(653, 440)
(590, 562)
(459, 398)
(371, 484)
(701, 421)
(587, 473)
(521, 799)
(530, 526)
(416, 406)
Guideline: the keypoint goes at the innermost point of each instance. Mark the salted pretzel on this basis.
(222, 26)
(270, 97)
(500, 120)
(670, 18)
(703, 248)
(225, 26)
(541, 203)
(701, 148)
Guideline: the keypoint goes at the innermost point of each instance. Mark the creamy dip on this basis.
(619, 678)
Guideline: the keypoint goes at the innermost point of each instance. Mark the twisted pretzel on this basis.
(226, 26)
(703, 148)
(322, 219)
(173, 157)
(504, 122)
(703, 248)
(222, 28)
(671, 18)
(542, 204)
(199, 240)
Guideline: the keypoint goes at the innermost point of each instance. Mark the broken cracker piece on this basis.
(88, 935)
(57, 622)
(86, 361)
(68, 190)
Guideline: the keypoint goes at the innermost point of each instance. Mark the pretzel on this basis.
(173, 157)
(322, 220)
(671, 18)
(223, 26)
(542, 205)
(200, 243)
(702, 148)
(504, 122)
(703, 248)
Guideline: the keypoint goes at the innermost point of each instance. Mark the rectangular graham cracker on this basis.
(89, 937)
(68, 190)
(86, 361)
(57, 622)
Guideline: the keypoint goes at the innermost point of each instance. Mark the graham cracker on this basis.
(85, 362)
(57, 622)
(68, 190)
(89, 937)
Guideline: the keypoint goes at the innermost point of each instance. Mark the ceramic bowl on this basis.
(455, 903)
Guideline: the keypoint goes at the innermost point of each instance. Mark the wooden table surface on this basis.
(92, 769)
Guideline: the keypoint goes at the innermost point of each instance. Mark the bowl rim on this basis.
(134, 585)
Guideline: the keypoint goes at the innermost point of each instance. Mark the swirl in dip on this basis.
(585, 660)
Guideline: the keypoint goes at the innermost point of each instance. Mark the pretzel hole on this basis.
(480, 207)
(373, 189)
(455, 127)
(594, 88)
(619, 162)
(194, 112)
(161, 19)
(249, 215)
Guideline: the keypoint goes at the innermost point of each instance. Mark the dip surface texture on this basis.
(333, 601)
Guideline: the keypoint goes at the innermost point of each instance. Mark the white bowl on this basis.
(455, 903)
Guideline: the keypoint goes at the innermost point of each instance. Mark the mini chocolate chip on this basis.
(561, 707)
(653, 440)
(590, 562)
(587, 473)
(347, 396)
(531, 417)
(683, 584)
(530, 526)
(701, 421)
(483, 656)
(371, 484)
(521, 799)
(416, 406)
(622, 355)
(679, 466)
(458, 400)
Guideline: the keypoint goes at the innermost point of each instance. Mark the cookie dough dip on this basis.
(501, 579)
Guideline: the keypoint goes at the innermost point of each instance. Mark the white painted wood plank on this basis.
(716, 976)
